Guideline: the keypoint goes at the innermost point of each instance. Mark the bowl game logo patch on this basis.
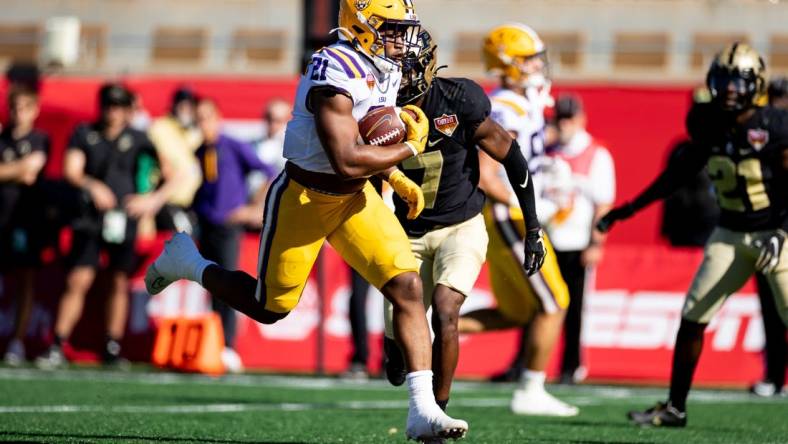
(758, 138)
(446, 124)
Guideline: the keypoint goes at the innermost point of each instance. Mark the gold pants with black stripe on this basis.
(298, 220)
(520, 296)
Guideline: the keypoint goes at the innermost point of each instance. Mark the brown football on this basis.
(382, 126)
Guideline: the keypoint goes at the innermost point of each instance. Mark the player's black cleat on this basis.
(393, 362)
(661, 415)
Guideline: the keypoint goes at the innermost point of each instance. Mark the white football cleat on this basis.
(231, 361)
(176, 261)
(435, 424)
(536, 401)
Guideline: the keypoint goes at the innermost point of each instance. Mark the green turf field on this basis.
(86, 405)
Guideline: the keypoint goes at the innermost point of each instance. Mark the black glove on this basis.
(534, 251)
(616, 214)
(771, 245)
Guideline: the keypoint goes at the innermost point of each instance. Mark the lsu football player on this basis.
(516, 54)
(323, 193)
(744, 147)
(449, 236)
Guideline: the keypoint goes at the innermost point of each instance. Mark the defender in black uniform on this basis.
(449, 236)
(23, 153)
(745, 149)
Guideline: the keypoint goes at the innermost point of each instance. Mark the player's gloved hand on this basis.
(534, 251)
(771, 245)
(417, 128)
(621, 212)
(409, 191)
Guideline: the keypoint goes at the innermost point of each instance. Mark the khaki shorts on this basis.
(452, 256)
(728, 261)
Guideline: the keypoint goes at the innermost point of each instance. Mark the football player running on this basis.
(744, 147)
(516, 54)
(449, 237)
(323, 193)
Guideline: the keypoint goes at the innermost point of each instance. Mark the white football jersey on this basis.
(525, 117)
(522, 115)
(341, 67)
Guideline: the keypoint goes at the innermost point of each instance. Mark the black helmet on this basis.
(740, 65)
(418, 69)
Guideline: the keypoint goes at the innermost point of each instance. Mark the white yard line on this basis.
(234, 408)
(581, 395)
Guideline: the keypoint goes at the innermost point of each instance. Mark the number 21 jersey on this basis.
(746, 164)
(343, 69)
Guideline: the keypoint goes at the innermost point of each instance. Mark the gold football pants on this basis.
(520, 296)
(298, 220)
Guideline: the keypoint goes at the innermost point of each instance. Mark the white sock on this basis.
(420, 389)
(533, 378)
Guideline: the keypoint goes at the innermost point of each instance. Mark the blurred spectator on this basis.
(176, 138)
(222, 208)
(23, 153)
(269, 148)
(583, 188)
(776, 346)
(140, 117)
(102, 159)
(25, 75)
(778, 92)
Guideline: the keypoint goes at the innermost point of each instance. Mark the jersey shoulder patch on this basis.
(472, 103)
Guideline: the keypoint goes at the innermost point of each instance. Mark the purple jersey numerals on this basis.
(319, 66)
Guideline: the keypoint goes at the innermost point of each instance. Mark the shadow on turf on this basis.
(5, 437)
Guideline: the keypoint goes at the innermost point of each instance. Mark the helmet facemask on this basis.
(403, 33)
(383, 31)
(418, 70)
(528, 72)
(732, 89)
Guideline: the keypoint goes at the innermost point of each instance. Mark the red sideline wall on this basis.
(632, 313)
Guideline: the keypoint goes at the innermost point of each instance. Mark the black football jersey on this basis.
(13, 194)
(113, 162)
(448, 170)
(745, 163)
